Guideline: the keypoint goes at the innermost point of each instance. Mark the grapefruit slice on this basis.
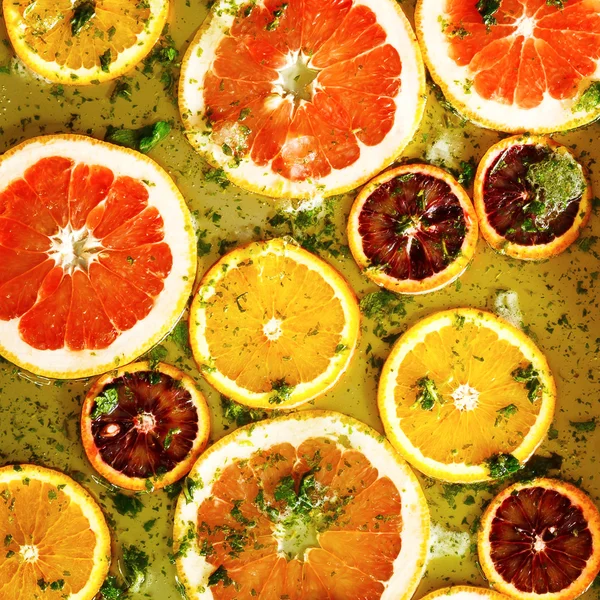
(515, 66)
(540, 539)
(466, 397)
(465, 592)
(143, 426)
(83, 42)
(56, 543)
(97, 255)
(298, 98)
(532, 197)
(311, 505)
(273, 326)
(413, 229)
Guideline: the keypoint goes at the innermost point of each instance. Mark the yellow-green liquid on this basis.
(559, 300)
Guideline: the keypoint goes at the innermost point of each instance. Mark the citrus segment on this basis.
(413, 229)
(302, 97)
(532, 197)
(282, 511)
(479, 383)
(83, 42)
(541, 539)
(56, 542)
(144, 425)
(465, 592)
(515, 66)
(273, 325)
(96, 260)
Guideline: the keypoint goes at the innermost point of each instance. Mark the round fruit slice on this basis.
(413, 229)
(532, 197)
(273, 326)
(296, 508)
(97, 255)
(144, 425)
(55, 540)
(540, 539)
(464, 396)
(83, 42)
(465, 592)
(515, 66)
(297, 98)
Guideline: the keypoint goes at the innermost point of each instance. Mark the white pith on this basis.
(29, 553)
(272, 329)
(549, 116)
(409, 565)
(409, 106)
(74, 250)
(178, 235)
(466, 398)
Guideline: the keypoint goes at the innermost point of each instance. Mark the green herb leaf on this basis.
(105, 61)
(428, 395)
(142, 140)
(282, 390)
(502, 465)
(487, 9)
(127, 505)
(217, 176)
(136, 566)
(105, 403)
(180, 336)
(220, 575)
(590, 99)
(82, 15)
(530, 377)
(169, 437)
(584, 426)
(240, 415)
(111, 590)
(286, 492)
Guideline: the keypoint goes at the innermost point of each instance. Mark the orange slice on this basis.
(541, 539)
(532, 197)
(83, 42)
(55, 540)
(143, 426)
(464, 592)
(272, 325)
(464, 396)
(298, 98)
(529, 65)
(311, 505)
(97, 255)
(413, 229)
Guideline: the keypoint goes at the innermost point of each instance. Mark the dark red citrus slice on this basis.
(302, 95)
(532, 197)
(413, 229)
(86, 255)
(541, 540)
(295, 508)
(143, 426)
(515, 65)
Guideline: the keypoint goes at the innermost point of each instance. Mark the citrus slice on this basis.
(465, 397)
(532, 197)
(527, 65)
(273, 326)
(144, 425)
(84, 41)
(465, 592)
(413, 229)
(298, 98)
(97, 255)
(540, 539)
(55, 540)
(295, 508)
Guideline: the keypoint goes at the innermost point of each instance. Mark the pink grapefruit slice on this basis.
(97, 255)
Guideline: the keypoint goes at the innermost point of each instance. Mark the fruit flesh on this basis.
(535, 47)
(152, 428)
(302, 133)
(412, 226)
(540, 541)
(352, 513)
(81, 254)
(510, 199)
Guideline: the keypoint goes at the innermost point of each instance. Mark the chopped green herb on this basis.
(111, 590)
(143, 139)
(282, 390)
(502, 465)
(505, 413)
(220, 575)
(105, 60)
(180, 336)
(122, 89)
(136, 566)
(156, 355)
(467, 172)
(428, 395)
(487, 9)
(127, 505)
(105, 403)
(82, 15)
(240, 415)
(590, 99)
(217, 176)
(169, 437)
(584, 426)
(531, 378)
(286, 492)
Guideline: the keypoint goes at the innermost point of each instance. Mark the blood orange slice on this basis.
(143, 426)
(464, 592)
(413, 229)
(83, 41)
(55, 540)
(273, 326)
(302, 97)
(541, 539)
(97, 255)
(311, 505)
(515, 65)
(532, 197)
